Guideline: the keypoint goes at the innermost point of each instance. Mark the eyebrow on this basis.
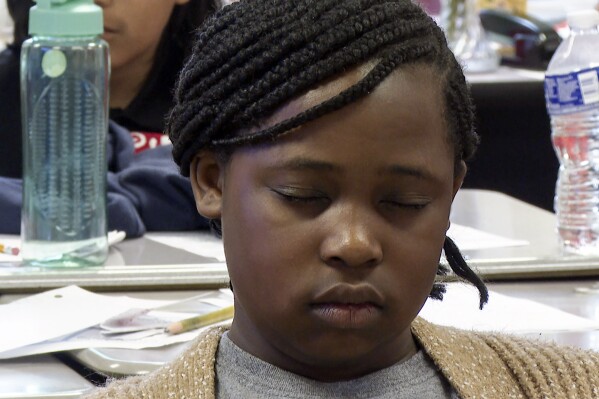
(307, 164)
(407, 170)
(299, 164)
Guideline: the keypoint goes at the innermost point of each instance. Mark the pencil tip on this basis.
(174, 328)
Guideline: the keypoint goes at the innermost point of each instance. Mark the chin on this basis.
(341, 366)
(340, 350)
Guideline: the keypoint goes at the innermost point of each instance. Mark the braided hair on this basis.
(253, 56)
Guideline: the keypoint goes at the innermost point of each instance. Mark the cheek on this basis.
(261, 226)
(117, 53)
(418, 251)
(139, 38)
(419, 262)
(409, 281)
(158, 16)
(260, 243)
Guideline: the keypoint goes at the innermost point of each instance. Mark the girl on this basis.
(326, 140)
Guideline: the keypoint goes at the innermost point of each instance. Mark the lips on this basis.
(110, 29)
(347, 306)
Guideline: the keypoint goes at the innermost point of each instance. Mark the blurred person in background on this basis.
(149, 41)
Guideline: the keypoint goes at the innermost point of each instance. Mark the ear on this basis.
(206, 175)
(459, 175)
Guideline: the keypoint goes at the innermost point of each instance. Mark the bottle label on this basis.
(54, 63)
(573, 92)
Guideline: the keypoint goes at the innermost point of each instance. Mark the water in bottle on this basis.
(64, 99)
(572, 97)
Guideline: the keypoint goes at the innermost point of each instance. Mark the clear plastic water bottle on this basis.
(572, 97)
(64, 100)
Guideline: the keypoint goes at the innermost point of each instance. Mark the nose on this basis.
(102, 3)
(351, 240)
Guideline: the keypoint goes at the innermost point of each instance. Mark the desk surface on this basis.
(500, 214)
(579, 297)
(505, 75)
(40, 377)
(134, 264)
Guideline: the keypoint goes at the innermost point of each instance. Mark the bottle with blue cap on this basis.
(65, 69)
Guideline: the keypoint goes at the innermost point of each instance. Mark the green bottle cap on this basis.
(66, 18)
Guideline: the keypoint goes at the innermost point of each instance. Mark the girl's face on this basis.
(133, 28)
(333, 233)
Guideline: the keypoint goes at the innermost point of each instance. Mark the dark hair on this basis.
(253, 56)
(184, 21)
(19, 12)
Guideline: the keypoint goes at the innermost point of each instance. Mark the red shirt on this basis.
(146, 140)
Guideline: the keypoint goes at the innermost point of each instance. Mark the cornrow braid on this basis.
(365, 86)
(254, 56)
(320, 39)
(460, 267)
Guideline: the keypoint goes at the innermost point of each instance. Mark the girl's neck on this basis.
(126, 82)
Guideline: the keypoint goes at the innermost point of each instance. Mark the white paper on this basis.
(75, 323)
(468, 238)
(93, 338)
(58, 312)
(460, 308)
(200, 243)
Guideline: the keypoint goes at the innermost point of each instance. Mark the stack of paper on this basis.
(69, 318)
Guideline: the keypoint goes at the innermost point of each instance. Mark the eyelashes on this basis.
(297, 196)
(305, 196)
(407, 205)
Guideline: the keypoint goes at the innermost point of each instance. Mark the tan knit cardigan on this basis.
(477, 365)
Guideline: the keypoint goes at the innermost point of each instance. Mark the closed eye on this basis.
(409, 205)
(300, 195)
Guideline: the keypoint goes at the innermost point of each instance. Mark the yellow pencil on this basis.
(200, 321)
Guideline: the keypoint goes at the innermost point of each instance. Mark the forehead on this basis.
(418, 81)
(318, 94)
(400, 121)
